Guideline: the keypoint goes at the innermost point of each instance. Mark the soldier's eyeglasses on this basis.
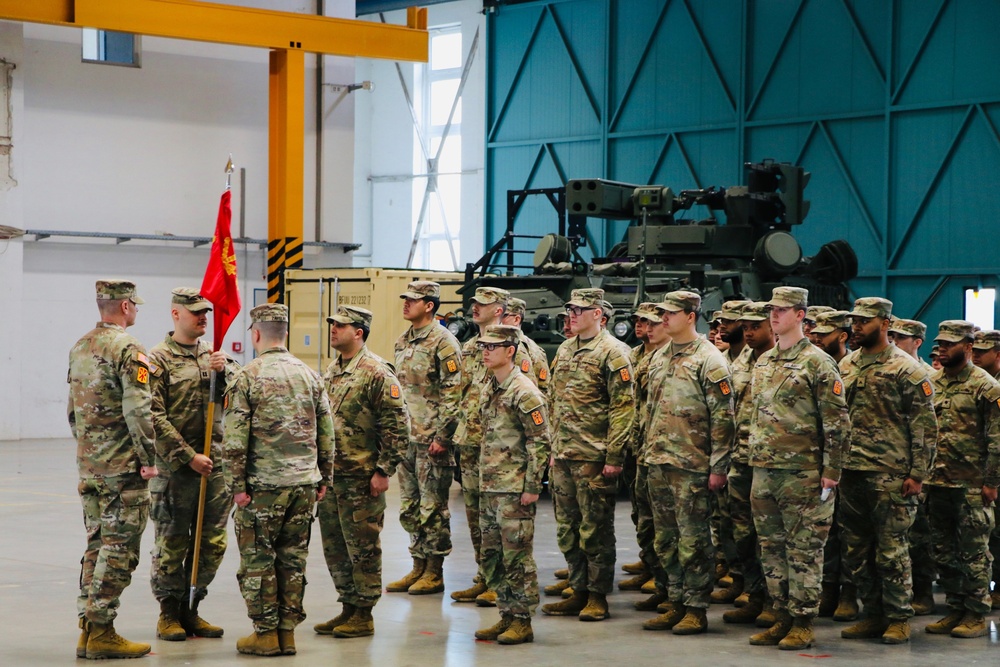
(489, 347)
(577, 310)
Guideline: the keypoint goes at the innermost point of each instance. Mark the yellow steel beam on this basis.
(58, 12)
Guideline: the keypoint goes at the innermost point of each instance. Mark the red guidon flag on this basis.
(219, 285)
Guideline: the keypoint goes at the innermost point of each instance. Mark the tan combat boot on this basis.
(469, 594)
(491, 633)
(103, 642)
(570, 607)
(361, 624)
(403, 585)
(870, 628)
(674, 612)
(748, 613)
(847, 608)
(286, 641)
(195, 626)
(634, 583)
(829, 598)
(649, 587)
(339, 619)
(557, 588)
(898, 632)
(768, 616)
(519, 632)
(567, 593)
(259, 643)
(774, 634)
(694, 622)
(946, 624)
(487, 599)
(800, 636)
(973, 625)
(728, 595)
(561, 573)
(168, 626)
(742, 599)
(923, 598)
(652, 602)
(633, 568)
(596, 609)
(81, 643)
(431, 581)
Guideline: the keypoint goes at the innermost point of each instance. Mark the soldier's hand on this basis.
(827, 483)
(912, 487)
(989, 494)
(148, 472)
(436, 449)
(201, 464)
(217, 362)
(321, 493)
(529, 498)
(241, 499)
(716, 482)
(378, 485)
(611, 471)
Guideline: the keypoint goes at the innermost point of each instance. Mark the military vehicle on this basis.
(743, 256)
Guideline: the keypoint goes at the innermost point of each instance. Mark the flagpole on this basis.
(207, 451)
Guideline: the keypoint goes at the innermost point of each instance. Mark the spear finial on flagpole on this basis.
(230, 168)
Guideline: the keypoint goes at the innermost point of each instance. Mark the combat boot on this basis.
(767, 616)
(748, 613)
(570, 607)
(469, 594)
(339, 619)
(596, 609)
(829, 598)
(431, 581)
(973, 625)
(652, 602)
(633, 568)
(103, 642)
(487, 599)
(898, 632)
(519, 632)
(491, 633)
(259, 643)
(728, 595)
(721, 571)
(847, 608)
(567, 593)
(800, 636)
(557, 588)
(741, 599)
(286, 641)
(562, 573)
(168, 626)
(633, 583)
(694, 622)
(195, 626)
(361, 624)
(403, 585)
(649, 587)
(81, 643)
(774, 634)
(923, 598)
(874, 626)
(674, 612)
(946, 624)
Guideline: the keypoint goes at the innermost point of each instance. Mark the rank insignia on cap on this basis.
(394, 391)
(926, 386)
(452, 366)
(838, 388)
(537, 417)
(724, 386)
(142, 375)
(625, 375)
(525, 366)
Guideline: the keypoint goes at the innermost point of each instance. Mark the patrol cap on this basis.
(488, 295)
(754, 311)
(498, 334)
(872, 306)
(117, 290)
(190, 299)
(786, 296)
(986, 340)
(649, 311)
(359, 317)
(908, 327)
(269, 312)
(935, 350)
(609, 310)
(591, 297)
(731, 310)
(812, 312)
(674, 302)
(956, 331)
(831, 321)
(421, 289)
(716, 316)
(516, 306)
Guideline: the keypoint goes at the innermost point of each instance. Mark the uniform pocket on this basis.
(135, 497)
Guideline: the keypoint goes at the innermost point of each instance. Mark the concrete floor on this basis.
(43, 539)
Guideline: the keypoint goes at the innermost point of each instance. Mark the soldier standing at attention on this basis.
(832, 332)
(909, 335)
(963, 487)
(798, 442)
(181, 381)
(429, 368)
(278, 446)
(812, 318)
(593, 404)
(372, 430)
(514, 316)
(986, 355)
(515, 449)
(689, 435)
(893, 440)
(111, 419)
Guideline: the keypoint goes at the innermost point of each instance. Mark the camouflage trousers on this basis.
(875, 521)
(273, 536)
(350, 522)
(834, 571)
(468, 461)
(115, 511)
(424, 482)
(645, 531)
(995, 546)
(681, 514)
(175, 517)
(921, 550)
(627, 478)
(792, 525)
(508, 561)
(961, 524)
(584, 502)
(747, 561)
(722, 526)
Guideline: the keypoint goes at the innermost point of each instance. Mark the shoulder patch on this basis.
(451, 365)
(925, 387)
(525, 365)
(142, 358)
(543, 373)
(725, 388)
(394, 390)
(718, 374)
(625, 375)
(617, 362)
(536, 416)
(142, 375)
(838, 387)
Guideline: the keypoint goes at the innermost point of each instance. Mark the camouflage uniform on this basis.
(539, 360)
(372, 428)
(278, 446)
(893, 435)
(110, 417)
(988, 340)
(592, 403)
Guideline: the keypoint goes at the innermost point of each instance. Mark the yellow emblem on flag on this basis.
(228, 257)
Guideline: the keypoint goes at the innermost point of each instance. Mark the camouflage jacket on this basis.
(592, 400)
(180, 387)
(371, 422)
(516, 437)
(475, 376)
(690, 401)
(800, 419)
(539, 362)
(429, 367)
(278, 426)
(637, 439)
(893, 428)
(110, 407)
(742, 369)
(968, 414)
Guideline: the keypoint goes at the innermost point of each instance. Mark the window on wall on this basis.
(110, 48)
(437, 197)
(980, 306)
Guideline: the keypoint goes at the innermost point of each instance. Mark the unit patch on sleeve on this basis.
(537, 417)
(452, 366)
(838, 388)
(926, 386)
(394, 391)
(726, 389)
(626, 376)
(142, 375)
